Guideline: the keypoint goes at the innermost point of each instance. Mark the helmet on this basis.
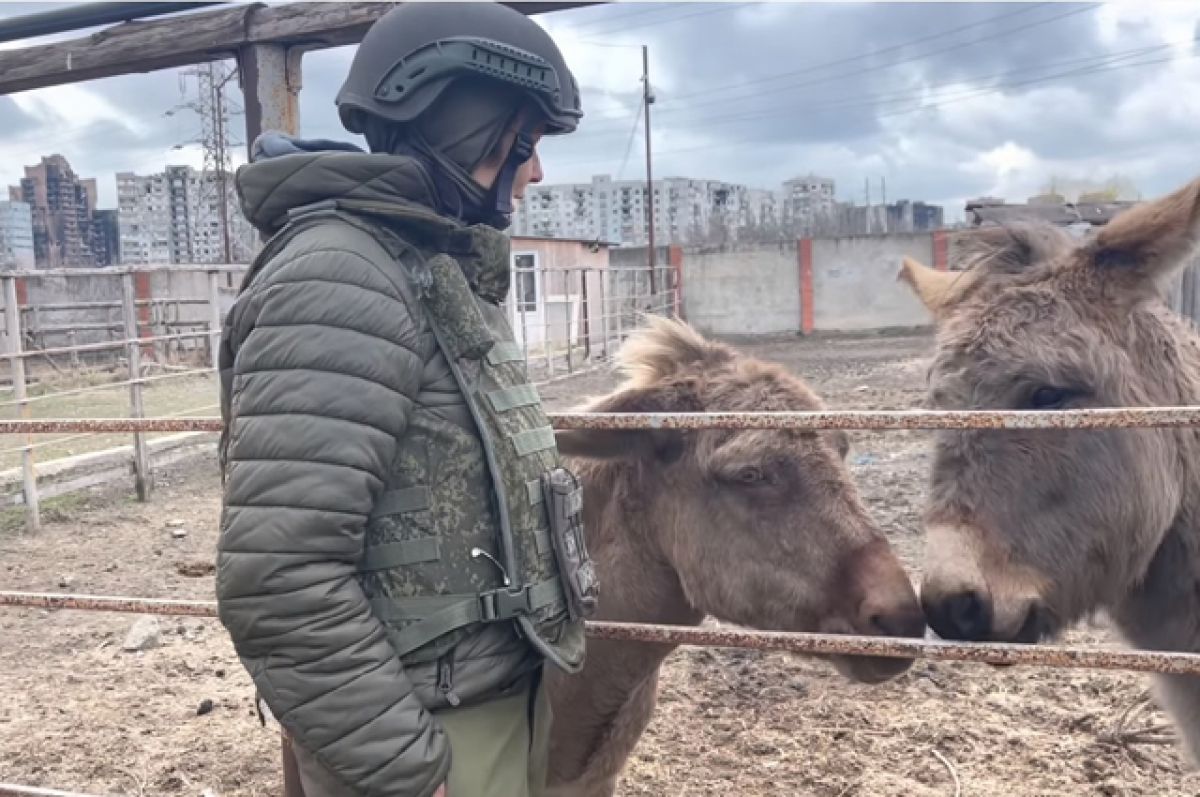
(413, 52)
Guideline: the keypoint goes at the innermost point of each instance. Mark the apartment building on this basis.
(63, 207)
(174, 216)
(686, 210)
(16, 236)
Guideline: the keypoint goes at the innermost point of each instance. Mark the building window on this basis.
(525, 266)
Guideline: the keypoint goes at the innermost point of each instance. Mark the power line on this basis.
(724, 7)
(1083, 72)
(889, 98)
(606, 21)
(877, 67)
(871, 54)
(637, 120)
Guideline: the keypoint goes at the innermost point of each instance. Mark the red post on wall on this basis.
(804, 255)
(941, 250)
(675, 260)
(22, 292)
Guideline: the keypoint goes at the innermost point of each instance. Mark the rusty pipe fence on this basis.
(1150, 661)
(105, 324)
(1057, 656)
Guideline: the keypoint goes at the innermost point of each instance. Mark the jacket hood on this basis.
(287, 173)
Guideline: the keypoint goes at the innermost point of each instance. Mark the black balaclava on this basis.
(452, 138)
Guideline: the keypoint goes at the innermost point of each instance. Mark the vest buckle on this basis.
(504, 604)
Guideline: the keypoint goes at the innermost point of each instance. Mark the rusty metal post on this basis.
(137, 410)
(541, 278)
(214, 311)
(271, 81)
(604, 275)
(16, 364)
(567, 304)
(587, 327)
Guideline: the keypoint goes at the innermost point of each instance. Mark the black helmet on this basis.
(413, 52)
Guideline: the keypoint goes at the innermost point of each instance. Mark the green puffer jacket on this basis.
(328, 365)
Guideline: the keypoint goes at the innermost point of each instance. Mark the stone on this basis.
(143, 635)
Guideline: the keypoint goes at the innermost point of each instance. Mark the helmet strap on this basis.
(522, 151)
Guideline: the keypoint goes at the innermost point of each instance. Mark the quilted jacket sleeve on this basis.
(327, 362)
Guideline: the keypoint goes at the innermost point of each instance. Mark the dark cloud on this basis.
(916, 93)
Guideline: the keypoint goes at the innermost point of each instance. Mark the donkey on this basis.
(758, 528)
(1030, 531)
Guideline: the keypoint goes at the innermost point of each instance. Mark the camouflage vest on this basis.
(461, 535)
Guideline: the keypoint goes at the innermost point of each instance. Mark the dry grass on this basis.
(179, 396)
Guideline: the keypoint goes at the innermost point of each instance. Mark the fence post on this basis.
(542, 291)
(214, 312)
(587, 327)
(141, 459)
(12, 320)
(604, 275)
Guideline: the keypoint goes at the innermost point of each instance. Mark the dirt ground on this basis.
(77, 712)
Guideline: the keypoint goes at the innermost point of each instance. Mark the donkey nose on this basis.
(903, 620)
(963, 615)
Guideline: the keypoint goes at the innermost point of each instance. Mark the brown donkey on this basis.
(1028, 532)
(759, 528)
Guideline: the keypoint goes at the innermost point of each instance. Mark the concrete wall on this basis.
(854, 283)
(815, 285)
(751, 291)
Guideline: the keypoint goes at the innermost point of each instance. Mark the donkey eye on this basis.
(750, 475)
(1049, 398)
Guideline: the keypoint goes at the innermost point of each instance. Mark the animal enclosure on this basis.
(91, 717)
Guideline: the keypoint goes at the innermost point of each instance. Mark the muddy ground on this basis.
(79, 713)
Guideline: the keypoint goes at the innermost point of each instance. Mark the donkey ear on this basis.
(662, 445)
(1144, 246)
(936, 289)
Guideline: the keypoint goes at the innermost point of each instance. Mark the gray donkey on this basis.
(1027, 532)
(759, 528)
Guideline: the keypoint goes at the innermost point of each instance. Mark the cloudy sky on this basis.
(942, 101)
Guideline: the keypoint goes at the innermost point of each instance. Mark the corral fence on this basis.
(802, 643)
(143, 343)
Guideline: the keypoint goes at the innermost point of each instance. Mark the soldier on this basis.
(400, 549)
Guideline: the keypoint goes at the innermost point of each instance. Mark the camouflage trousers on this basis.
(498, 749)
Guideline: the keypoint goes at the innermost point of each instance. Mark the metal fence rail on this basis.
(877, 420)
(14, 790)
(790, 642)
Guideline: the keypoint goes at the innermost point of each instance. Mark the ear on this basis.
(937, 290)
(661, 445)
(1144, 246)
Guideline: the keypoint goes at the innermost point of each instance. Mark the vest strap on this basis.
(510, 398)
(385, 556)
(531, 441)
(505, 352)
(402, 501)
(437, 615)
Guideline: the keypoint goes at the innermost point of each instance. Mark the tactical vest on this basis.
(462, 534)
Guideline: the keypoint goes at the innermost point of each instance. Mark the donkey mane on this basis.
(669, 353)
(665, 349)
